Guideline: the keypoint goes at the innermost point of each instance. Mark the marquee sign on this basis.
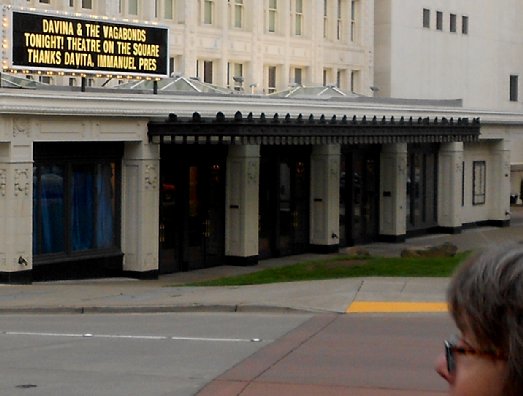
(51, 42)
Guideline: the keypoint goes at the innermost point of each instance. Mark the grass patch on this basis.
(346, 267)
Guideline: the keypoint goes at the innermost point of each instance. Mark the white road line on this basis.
(131, 337)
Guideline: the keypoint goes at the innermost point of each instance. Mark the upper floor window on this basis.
(354, 81)
(272, 14)
(207, 72)
(353, 20)
(339, 20)
(298, 75)
(45, 79)
(513, 88)
(45, 1)
(426, 18)
(452, 25)
(479, 178)
(271, 79)
(439, 20)
(132, 7)
(325, 19)
(341, 77)
(85, 4)
(297, 16)
(168, 9)
(208, 12)
(236, 13)
(235, 77)
(164, 9)
(204, 70)
(465, 24)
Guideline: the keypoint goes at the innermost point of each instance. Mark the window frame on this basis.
(325, 20)
(135, 9)
(426, 18)
(272, 79)
(339, 20)
(236, 13)
(205, 70)
(453, 23)
(354, 21)
(272, 16)
(464, 24)
(479, 181)
(207, 12)
(298, 75)
(168, 9)
(439, 20)
(462, 183)
(514, 88)
(69, 157)
(235, 76)
(355, 76)
(297, 17)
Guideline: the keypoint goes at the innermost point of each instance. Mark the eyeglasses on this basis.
(451, 349)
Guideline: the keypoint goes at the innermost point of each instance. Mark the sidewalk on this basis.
(337, 296)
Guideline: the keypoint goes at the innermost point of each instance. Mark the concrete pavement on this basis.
(337, 296)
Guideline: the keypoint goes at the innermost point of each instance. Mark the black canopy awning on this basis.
(307, 131)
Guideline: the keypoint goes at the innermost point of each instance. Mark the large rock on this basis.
(357, 251)
(446, 249)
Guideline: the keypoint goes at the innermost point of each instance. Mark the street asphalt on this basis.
(350, 296)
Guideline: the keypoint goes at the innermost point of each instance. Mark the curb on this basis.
(233, 308)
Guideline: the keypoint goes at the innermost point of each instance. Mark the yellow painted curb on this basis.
(399, 307)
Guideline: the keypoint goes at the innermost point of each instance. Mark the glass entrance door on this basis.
(359, 195)
(421, 187)
(284, 202)
(192, 212)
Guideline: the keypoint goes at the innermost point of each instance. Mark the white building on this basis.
(466, 49)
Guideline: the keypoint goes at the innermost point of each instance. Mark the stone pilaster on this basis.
(393, 185)
(241, 210)
(325, 198)
(499, 179)
(450, 177)
(16, 203)
(140, 209)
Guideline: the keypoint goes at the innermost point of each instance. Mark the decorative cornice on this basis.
(149, 106)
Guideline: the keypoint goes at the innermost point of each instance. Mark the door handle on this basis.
(295, 219)
(162, 232)
(206, 228)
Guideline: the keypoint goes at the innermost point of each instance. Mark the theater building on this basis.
(118, 183)
(213, 156)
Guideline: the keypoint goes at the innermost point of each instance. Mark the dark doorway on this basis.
(421, 187)
(359, 194)
(192, 208)
(284, 201)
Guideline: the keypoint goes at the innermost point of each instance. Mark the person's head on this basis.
(485, 299)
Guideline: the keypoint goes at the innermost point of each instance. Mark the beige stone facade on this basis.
(193, 180)
(251, 45)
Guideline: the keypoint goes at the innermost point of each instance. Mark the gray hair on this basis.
(486, 297)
